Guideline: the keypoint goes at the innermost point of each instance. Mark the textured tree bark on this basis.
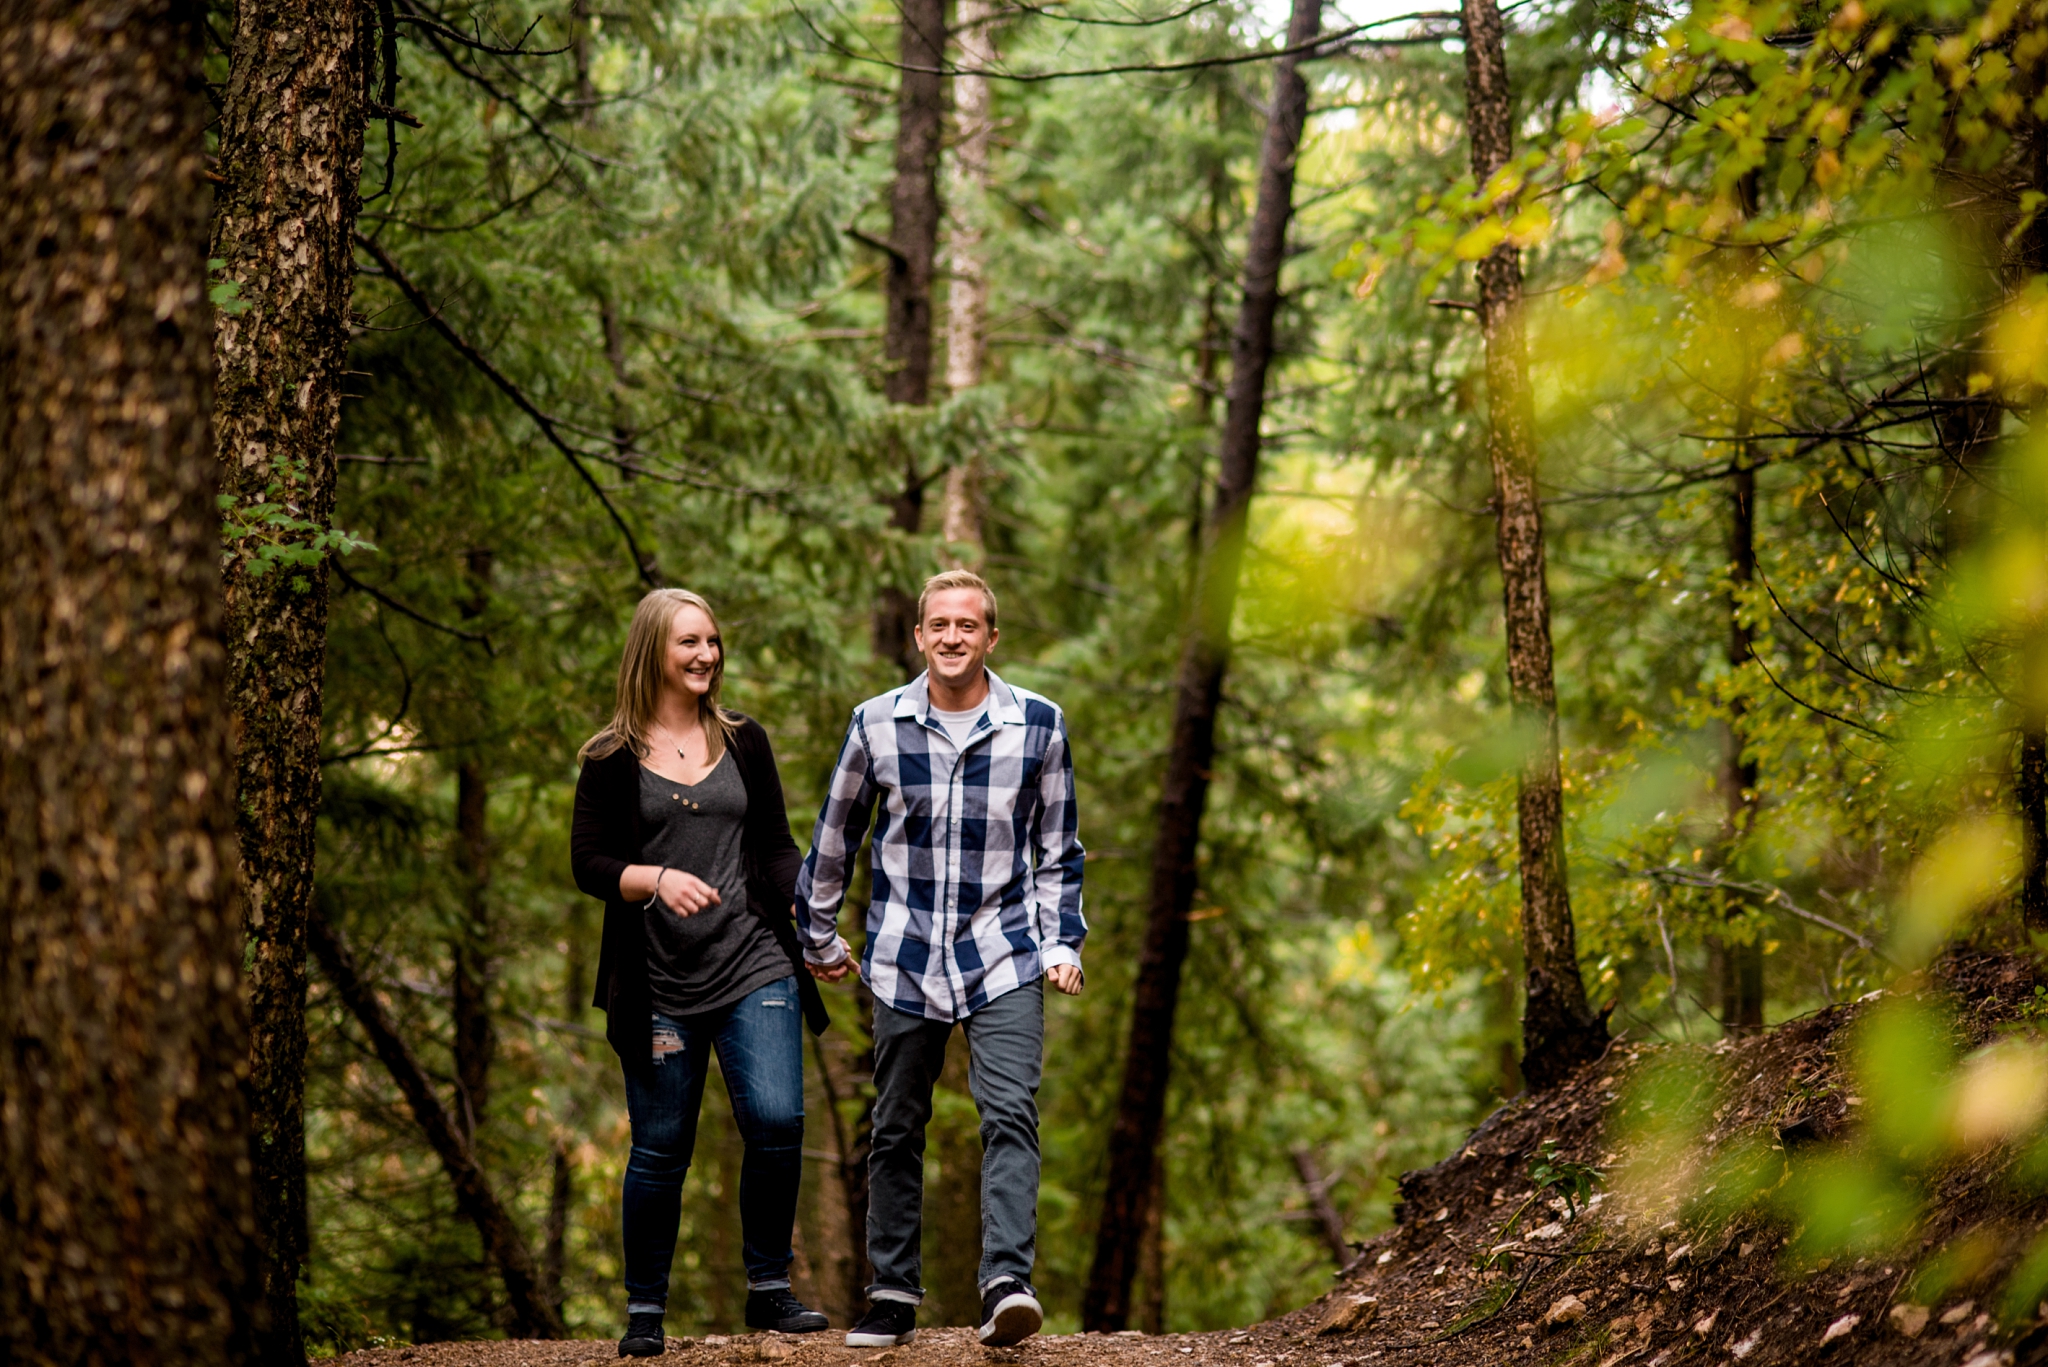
(1742, 965)
(914, 203)
(532, 1315)
(1559, 1030)
(1205, 655)
(124, 1135)
(914, 245)
(967, 299)
(476, 1039)
(291, 153)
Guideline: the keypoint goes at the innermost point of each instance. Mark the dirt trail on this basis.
(1267, 1344)
(1620, 1286)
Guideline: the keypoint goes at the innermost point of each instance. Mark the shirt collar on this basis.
(914, 701)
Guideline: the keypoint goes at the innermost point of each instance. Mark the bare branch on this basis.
(475, 638)
(1325, 45)
(422, 19)
(1677, 875)
(643, 562)
(533, 1316)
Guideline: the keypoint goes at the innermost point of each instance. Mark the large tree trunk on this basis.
(532, 1314)
(291, 152)
(124, 1137)
(1141, 1105)
(1559, 1031)
(967, 299)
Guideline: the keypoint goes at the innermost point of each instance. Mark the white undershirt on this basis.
(960, 725)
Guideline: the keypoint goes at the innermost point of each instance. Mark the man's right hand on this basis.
(834, 972)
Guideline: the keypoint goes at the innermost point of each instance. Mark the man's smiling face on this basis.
(954, 636)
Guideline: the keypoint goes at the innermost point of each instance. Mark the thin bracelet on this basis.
(648, 905)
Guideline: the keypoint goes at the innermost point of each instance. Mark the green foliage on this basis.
(1562, 1177)
(1754, 266)
(225, 295)
(270, 534)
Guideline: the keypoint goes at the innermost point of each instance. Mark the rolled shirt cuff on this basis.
(826, 958)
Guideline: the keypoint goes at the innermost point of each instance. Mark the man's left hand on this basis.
(1066, 977)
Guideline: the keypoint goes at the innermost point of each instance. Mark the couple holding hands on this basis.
(715, 928)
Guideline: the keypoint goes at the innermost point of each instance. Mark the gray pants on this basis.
(1006, 1043)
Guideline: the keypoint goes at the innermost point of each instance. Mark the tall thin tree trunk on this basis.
(622, 404)
(554, 1254)
(476, 1039)
(532, 1315)
(914, 203)
(1559, 1030)
(914, 245)
(1742, 965)
(1205, 655)
(291, 154)
(554, 1245)
(967, 301)
(2030, 794)
(851, 1170)
(124, 1135)
(1149, 1309)
(475, 1035)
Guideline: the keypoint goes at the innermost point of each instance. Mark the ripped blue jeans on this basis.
(759, 1040)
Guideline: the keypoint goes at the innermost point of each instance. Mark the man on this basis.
(977, 903)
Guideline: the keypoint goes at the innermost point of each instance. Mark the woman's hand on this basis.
(685, 894)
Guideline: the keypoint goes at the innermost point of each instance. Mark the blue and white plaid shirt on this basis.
(977, 866)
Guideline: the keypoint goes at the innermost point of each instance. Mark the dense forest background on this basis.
(619, 319)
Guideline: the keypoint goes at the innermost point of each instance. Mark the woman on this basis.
(680, 828)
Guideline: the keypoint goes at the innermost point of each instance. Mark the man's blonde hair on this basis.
(957, 579)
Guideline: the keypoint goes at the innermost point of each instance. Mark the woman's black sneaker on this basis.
(779, 1310)
(1009, 1313)
(886, 1324)
(643, 1337)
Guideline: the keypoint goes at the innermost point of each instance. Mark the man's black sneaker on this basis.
(1009, 1313)
(778, 1309)
(643, 1337)
(886, 1324)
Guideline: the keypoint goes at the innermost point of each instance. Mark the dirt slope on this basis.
(1646, 1291)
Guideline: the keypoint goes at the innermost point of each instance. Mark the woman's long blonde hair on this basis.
(640, 680)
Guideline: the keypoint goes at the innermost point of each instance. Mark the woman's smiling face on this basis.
(694, 653)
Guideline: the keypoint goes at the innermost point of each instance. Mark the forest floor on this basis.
(1629, 1283)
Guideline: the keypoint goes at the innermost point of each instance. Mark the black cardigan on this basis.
(605, 836)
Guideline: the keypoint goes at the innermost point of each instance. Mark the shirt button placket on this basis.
(953, 973)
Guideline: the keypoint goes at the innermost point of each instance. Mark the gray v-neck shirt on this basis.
(712, 959)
